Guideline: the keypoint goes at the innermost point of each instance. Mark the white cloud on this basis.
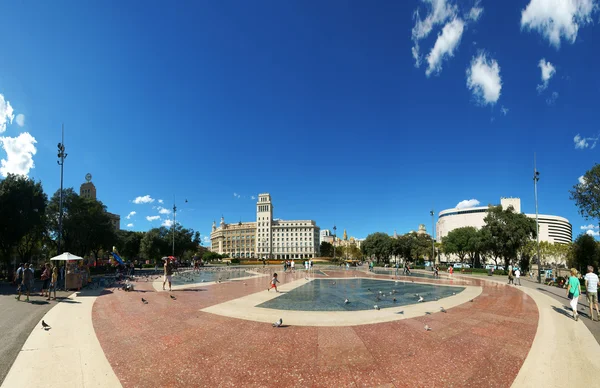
(152, 218)
(168, 223)
(162, 210)
(20, 119)
(504, 110)
(19, 154)
(144, 199)
(590, 226)
(581, 180)
(6, 113)
(445, 45)
(130, 225)
(592, 233)
(548, 71)
(467, 203)
(439, 12)
(475, 12)
(483, 78)
(557, 19)
(253, 197)
(584, 142)
(552, 99)
(160, 201)
(236, 195)
(131, 214)
(206, 239)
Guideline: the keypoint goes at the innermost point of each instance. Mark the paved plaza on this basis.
(217, 332)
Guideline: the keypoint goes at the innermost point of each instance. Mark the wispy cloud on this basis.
(548, 71)
(206, 239)
(6, 113)
(475, 12)
(483, 79)
(130, 225)
(444, 46)
(131, 214)
(152, 218)
(552, 99)
(20, 119)
(236, 195)
(581, 180)
(504, 110)
(584, 142)
(467, 203)
(144, 199)
(162, 210)
(590, 226)
(253, 197)
(439, 12)
(19, 154)
(558, 19)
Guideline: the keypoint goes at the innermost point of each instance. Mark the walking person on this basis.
(168, 273)
(517, 277)
(293, 265)
(46, 275)
(285, 266)
(510, 275)
(27, 277)
(573, 291)
(53, 282)
(274, 282)
(19, 275)
(591, 287)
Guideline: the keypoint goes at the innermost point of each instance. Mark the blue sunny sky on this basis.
(348, 112)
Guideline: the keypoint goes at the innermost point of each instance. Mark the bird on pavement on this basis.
(420, 299)
(376, 307)
(172, 297)
(346, 301)
(45, 326)
(427, 328)
(443, 310)
(394, 299)
(278, 323)
(144, 301)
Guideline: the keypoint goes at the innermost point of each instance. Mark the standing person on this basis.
(510, 275)
(53, 282)
(293, 265)
(397, 265)
(168, 273)
(436, 271)
(25, 282)
(19, 275)
(285, 266)
(450, 270)
(274, 282)
(46, 275)
(573, 291)
(310, 263)
(517, 276)
(591, 287)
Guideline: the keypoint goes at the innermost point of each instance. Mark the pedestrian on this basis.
(53, 282)
(450, 271)
(46, 275)
(293, 265)
(573, 291)
(517, 276)
(274, 282)
(510, 275)
(436, 271)
(25, 282)
(285, 266)
(19, 275)
(310, 263)
(591, 291)
(168, 273)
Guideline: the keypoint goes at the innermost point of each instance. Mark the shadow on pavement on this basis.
(39, 302)
(564, 311)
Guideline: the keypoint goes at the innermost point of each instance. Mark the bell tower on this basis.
(264, 222)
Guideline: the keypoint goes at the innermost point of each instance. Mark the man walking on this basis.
(517, 277)
(168, 273)
(591, 286)
(27, 278)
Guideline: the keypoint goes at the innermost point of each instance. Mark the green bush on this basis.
(235, 261)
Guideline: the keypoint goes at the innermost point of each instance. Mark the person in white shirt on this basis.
(591, 287)
(293, 265)
(517, 277)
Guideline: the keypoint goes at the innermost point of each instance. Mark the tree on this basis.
(354, 252)
(461, 242)
(22, 214)
(377, 245)
(584, 252)
(586, 194)
(129, 243)
(153, 246)
(326, 249)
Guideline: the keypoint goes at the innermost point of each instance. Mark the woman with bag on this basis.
(573, 291)
(46, 275)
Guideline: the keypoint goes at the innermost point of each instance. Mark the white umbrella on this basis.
(66, 256)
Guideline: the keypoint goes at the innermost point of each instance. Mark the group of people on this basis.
(514, 276)
(24, 278)
(573, 287)
(290, 264)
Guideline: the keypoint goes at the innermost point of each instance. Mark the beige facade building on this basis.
(553, 229)
(266, 238)
(88, 190)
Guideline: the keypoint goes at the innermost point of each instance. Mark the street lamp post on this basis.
(61, 162)
(433, 259)
(334, 229)
(174, 223)
(536, 178)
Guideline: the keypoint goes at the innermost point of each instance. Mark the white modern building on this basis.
(553, 229)
(268, 237)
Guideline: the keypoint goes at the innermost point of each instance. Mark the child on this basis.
(274, 282)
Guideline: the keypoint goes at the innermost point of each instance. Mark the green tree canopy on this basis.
(326, 249)
(462, 242)
(378, 245)
(586, 194)
(584, 252)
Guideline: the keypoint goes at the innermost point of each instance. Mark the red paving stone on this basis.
(170, 343)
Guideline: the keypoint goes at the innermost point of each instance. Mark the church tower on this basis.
(264, 222)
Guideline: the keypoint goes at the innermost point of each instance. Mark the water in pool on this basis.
(362, 294)
(391, 272)
(208, 276)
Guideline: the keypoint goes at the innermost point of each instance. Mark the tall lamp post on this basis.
(433, 260)
(334, 229)
(174, 223)
(536, 178)
(61, 162)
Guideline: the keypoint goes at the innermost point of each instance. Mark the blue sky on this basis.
(319, 103)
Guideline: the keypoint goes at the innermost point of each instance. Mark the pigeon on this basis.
(400, 312)
(454, 293)
(346, 301)
(394, 299)
(172, 297)
(305, 278)
(427, 313)
(144, 301)
(471, 300)
(202, 280)
(380, 292)
(368, 289)
(278, 323)
(376, 307)
(333, 284)
(420, 299)
(45, 326)
(427, 328)
(245, 284)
